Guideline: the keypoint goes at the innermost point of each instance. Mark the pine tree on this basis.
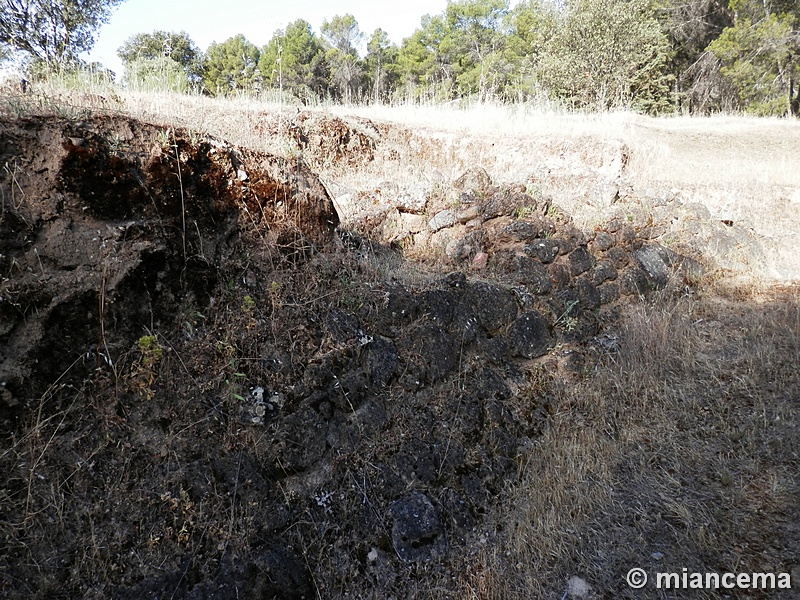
(380, 68)
(343, 34)
(232, 66)
(760, 56)
(294, 60)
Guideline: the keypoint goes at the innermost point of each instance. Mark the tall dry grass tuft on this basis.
(679, 451)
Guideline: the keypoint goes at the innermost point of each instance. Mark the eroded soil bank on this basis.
(211, 390)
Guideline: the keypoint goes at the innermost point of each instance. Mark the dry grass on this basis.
(680, 451)
(729, 150)
(725, 150)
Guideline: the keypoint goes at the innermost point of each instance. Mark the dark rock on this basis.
(417, 533)
(634, 282)
(501, 442)
(432, 349)
(347, 428)
(565, 303)
(602, 241)
(465, 325)
(587, 294)
(475, 492)
(501, 203)
(150, 587)
(604, 271)
(415, 463)
(495, 349)
(626, 235)
(580, 329)
(529, 336)
(342, 326)
(456, 512)
(618, 257)
(278, 573)
(569, 239)
(559, 276)
(494, 306)
(523, 231)
(438, 305)
(350, 389)
(546, 250)
(401, 306)
(456, 279)
(489, 384)
(580, 261)
(609, 292)
(469, 409)
(532, 274)
(300, 442)
(380, 361)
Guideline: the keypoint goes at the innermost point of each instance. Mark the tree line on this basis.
(654, 56)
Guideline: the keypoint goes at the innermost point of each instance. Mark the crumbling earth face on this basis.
(325, 141)
(109, 226)
(208, 391)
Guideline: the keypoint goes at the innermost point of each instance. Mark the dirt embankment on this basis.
(210, 390)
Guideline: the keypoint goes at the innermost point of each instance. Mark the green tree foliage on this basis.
(52, 32)
(158, 50)
(343, 35)
(423, 70)
(529, 25)
(380, 68)
(462, 52)
(232, 66)
(648, 55)
(691, 26)
(474, 46)
(608, 54)
(294, 60)
(760, 56)
(162, 61)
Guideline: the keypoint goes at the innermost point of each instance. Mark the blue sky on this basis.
(208, 21)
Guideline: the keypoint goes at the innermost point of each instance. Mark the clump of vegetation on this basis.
(144, 371)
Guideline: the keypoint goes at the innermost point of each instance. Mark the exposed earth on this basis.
(210, 387)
